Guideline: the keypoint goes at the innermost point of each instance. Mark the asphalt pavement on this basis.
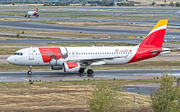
(32, 25)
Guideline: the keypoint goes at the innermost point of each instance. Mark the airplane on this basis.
(32, 13)
(77, 59)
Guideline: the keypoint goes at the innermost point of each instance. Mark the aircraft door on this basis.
(64, 52)
(31, 54)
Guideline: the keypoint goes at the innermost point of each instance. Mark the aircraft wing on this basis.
(89, 61)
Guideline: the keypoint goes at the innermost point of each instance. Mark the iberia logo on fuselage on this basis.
(48, 53)
(126, 50)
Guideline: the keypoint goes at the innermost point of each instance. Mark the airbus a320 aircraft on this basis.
(32, 13)
(76, 59)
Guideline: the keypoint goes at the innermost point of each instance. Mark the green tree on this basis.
(165, 99)
(84, 4)
(105, 98)
(177, 4)
(153, 4)
(171, 4)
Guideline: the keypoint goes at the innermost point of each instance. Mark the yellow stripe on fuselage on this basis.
(160, 23)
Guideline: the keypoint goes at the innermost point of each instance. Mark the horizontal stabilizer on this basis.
(160, 51)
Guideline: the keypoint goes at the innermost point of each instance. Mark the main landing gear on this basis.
(81, 70)
(90, 71)
(30, 72)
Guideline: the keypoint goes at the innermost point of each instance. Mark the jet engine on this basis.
(25, 15)
(71, 67)
(56, 67)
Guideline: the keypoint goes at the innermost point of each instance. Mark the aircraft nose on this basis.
(9, 59)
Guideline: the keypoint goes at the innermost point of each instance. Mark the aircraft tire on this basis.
(29, 72)
(90, 71)
(81, 70)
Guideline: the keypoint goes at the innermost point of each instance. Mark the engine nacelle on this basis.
(71, 67)
(56, 67)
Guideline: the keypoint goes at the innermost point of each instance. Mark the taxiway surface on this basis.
(104, 74)
(98, 75)
(53, 27)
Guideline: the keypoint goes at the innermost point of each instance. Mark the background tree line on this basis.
(67, 2)
(177, 4)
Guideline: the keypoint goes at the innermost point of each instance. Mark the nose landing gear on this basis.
(30, 72)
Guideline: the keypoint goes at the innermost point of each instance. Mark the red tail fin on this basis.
(37, 9)
(156, 36)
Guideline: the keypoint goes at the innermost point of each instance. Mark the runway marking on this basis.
(25, 79)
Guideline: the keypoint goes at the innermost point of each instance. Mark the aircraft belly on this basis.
(121, 60)
(115, 61)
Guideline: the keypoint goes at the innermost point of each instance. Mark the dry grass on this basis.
(56, 97)
(159, 64)
(90, 23)
(16, 38)
(116, 25)
(47, 97)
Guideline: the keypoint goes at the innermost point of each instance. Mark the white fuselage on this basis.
(33, 56)
(31, 13)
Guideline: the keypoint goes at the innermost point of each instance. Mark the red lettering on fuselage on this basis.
(47, 53)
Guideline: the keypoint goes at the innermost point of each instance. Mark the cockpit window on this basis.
(17, 53)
